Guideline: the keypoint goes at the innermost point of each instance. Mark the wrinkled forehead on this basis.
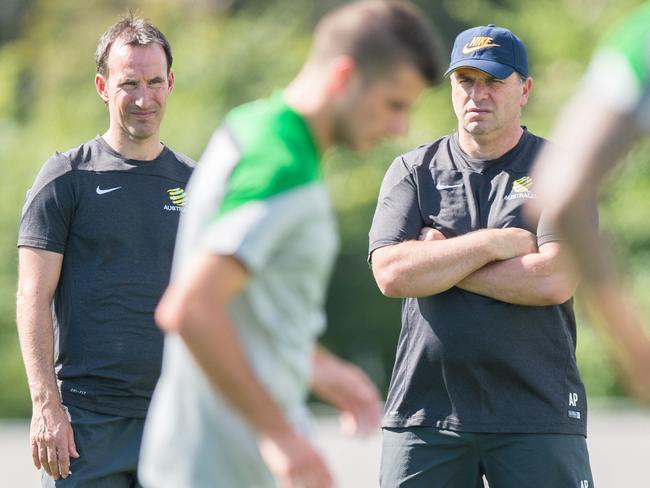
(123, 47)
(130, 57)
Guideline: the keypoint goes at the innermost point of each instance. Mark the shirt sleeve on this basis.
(546, 234)
(397, 216)
(253, 232)
(49, 207)
(619, 73)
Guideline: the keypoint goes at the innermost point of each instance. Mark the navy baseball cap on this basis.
(489, 48)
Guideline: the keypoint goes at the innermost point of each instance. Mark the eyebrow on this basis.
(468, 77)
(155, 79)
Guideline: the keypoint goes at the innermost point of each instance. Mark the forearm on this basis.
(424, 268)
(621, 321)
(51, 435)
(215, 345)
(341, 383)
(584, 150)
(569, 172)
(346, 387)
(328, 374)
(321, 361)
(195, 305)
(543, 278)
(36, 335)
(588, 248)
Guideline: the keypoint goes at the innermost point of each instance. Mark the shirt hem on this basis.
(98, 405)
(487, 428)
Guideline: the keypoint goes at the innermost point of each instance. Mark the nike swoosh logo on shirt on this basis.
(99, 191)
(447, 187)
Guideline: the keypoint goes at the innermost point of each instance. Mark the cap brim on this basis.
(492, 68)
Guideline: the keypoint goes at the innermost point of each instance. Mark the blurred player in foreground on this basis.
(609, 112)
(254, 254)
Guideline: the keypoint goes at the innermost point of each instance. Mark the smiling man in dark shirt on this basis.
(96, 240)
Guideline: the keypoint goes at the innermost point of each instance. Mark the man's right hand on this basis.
(52, 440)
(511, 242)
(295, 462)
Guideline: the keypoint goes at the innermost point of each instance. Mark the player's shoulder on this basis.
(183, 159)
(58, 169)
(84, 157)
(628, 42)
(276, 150)
(270, 127)
(630, 34)
(61, 163)
(424, 154)
(533, 139)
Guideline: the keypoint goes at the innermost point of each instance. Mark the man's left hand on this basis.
(346, 387)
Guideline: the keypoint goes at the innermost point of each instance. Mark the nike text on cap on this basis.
(495, 50)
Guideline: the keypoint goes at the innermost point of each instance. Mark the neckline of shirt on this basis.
(485, 165)
(136, 162)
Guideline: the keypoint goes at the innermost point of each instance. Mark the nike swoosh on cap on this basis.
(99, 191)
(467, 49)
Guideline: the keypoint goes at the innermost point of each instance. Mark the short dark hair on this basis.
(132, 30)
(380, 34)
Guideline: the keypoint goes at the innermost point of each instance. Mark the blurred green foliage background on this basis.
(228, 52)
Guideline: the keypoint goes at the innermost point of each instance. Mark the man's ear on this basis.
(102, 87)
(343, 71)
(170, 81)
(528, 87)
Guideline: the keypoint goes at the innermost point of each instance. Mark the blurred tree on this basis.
(12, 17)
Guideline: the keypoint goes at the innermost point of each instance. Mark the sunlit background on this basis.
(228, 52)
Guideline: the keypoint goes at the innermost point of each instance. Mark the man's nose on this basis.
(142, 95)
(399, 125)
(479, 90)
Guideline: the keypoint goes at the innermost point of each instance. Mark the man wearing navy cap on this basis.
(485, 382)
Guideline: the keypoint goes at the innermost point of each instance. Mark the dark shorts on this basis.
(108, 447)
(428, 457)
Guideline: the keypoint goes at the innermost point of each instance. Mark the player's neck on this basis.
(488, 146)
(306, 95)
(141, 150)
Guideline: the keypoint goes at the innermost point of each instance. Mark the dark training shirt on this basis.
(467, 362)
(115, 222)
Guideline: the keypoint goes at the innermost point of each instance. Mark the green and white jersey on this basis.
(258, 195)
(619, 74)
